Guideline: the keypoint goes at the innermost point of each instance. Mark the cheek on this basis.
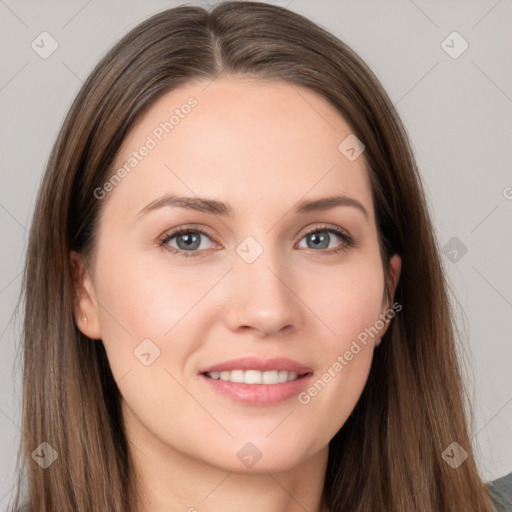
(148, 300)
(351, 300)
(157, 302)
(350, 305)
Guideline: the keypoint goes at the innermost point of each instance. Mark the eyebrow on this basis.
(202, 204)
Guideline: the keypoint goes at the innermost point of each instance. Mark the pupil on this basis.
(189, 240)
(317, 239)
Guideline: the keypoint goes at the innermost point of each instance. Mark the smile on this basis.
(257, 380)
(255, 376)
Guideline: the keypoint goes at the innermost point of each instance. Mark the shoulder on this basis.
(500, 491)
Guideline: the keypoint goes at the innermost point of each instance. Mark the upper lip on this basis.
(258, 363)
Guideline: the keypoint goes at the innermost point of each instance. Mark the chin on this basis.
(263, 455)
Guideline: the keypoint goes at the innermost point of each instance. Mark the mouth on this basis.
(253, 377)
(257, 381)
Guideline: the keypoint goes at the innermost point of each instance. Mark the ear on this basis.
(394, 269)
(85, 304)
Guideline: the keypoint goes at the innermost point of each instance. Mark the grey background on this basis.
(457, 112)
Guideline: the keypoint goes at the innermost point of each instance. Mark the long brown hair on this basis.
(388, 454)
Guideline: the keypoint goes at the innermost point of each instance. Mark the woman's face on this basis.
(307, 309)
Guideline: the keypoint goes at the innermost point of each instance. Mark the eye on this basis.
(187, 240)
(320, 237)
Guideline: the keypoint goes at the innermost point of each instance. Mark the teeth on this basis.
(282, 376)
(270, 377)
(251, 376)
(254, 376)
(236, 376)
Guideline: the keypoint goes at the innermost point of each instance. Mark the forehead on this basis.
(249, 142)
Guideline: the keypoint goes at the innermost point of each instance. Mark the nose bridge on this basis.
(261, 297)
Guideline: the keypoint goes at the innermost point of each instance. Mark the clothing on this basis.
(500, 491)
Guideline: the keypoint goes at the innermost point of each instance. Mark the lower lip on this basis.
(259, 394)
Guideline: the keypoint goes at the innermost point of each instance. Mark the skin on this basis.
(260, 147)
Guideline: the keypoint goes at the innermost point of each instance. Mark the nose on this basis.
(261, 297)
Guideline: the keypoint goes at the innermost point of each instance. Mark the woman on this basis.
(240, 302)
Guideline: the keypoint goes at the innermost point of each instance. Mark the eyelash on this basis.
(347, 240)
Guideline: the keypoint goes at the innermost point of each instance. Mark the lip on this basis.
(258, 394)
(259, 363)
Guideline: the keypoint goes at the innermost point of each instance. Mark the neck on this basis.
(170, 481)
